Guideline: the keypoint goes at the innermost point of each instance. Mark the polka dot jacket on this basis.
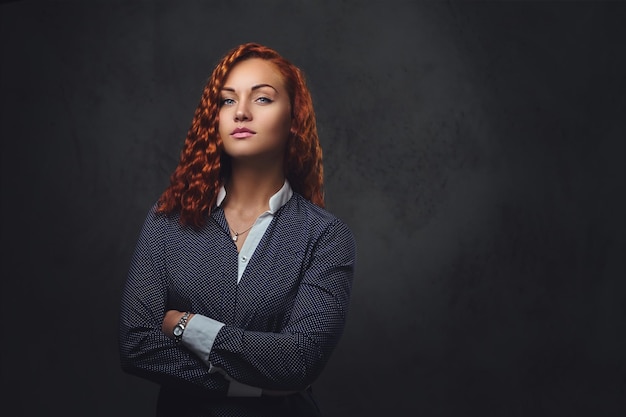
(283, 319)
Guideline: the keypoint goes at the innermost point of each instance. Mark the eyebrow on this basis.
(254, 87)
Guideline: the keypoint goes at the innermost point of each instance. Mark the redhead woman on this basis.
(240, 282)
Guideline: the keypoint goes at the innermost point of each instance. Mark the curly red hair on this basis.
(204, 166)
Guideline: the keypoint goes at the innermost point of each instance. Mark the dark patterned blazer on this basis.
(282, 321)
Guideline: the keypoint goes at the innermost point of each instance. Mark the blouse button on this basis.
(243, 259)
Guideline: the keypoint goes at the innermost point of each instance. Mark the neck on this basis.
(250, 188)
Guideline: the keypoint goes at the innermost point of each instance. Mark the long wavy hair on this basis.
(204, 166)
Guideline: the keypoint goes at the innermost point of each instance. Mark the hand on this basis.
(170, 320)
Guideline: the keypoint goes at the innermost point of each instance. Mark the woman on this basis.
(239, 286)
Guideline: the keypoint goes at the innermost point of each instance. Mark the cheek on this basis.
(287, 122)
(221, 127)
(283, 129)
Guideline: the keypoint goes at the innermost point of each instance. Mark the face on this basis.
(255, 112)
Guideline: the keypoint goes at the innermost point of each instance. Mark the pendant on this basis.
(235, 237)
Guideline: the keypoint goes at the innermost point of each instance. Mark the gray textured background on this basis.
(477, 151)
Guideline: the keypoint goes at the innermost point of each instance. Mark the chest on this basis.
(201, 275)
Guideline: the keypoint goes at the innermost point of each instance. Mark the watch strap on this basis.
(181, 324)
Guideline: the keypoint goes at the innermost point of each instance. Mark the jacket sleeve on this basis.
(144, 349)
(294, 357)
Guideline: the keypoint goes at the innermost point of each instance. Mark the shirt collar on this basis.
(276, 201)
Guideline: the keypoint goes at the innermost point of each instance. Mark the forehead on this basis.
(254, 71)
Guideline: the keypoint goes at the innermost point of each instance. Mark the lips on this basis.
(242, 133)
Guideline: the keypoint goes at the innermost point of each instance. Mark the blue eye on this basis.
(264, 100)
(227, 102)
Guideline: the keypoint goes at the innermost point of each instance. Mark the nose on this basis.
(242, 112)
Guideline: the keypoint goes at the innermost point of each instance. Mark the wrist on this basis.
(179, 328)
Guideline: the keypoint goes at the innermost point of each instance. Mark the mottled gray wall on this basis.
(477, 151)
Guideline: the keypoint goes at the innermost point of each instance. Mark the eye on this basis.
(227, 102)
(264, 100)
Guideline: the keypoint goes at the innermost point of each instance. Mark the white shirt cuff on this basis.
(198, 337)
(200, 334)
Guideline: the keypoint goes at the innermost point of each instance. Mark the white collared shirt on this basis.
(260, 225)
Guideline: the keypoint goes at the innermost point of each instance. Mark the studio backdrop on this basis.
(476, 150)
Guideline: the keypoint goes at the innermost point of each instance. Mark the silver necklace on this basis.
(235, 235)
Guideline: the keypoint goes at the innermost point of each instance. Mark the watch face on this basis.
(178, 330)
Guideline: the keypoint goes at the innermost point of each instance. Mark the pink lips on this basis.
(242, 133)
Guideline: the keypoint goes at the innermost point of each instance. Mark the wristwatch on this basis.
(180, 327)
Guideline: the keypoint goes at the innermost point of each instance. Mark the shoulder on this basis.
(157, 224)
(315, 220)
(154, 218)
(307, 211)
